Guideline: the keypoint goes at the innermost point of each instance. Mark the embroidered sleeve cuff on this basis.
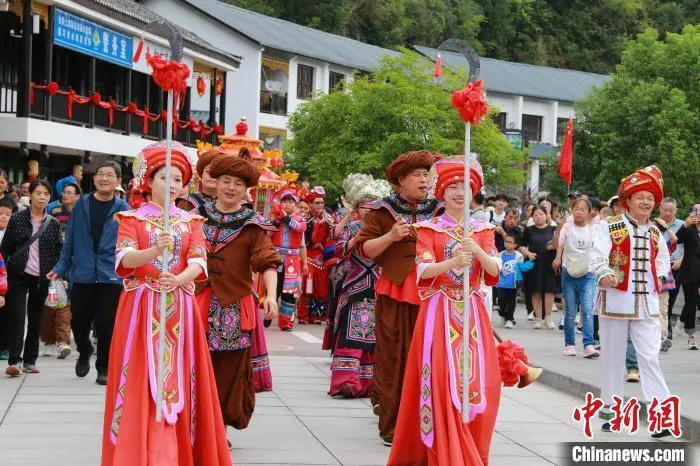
(604, 272)
(119, 269)
(203, 264)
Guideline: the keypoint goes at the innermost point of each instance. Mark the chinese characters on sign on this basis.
(86, 37)
(662, 414)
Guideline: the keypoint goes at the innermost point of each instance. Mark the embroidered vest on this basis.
(622, 252)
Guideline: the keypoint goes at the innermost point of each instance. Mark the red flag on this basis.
(437, 71)
(566, 159)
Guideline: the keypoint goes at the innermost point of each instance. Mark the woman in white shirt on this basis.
(573, 262)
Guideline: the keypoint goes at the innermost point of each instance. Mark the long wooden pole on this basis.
(467, 300)
(164, 260)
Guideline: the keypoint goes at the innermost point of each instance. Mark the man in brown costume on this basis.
(389, 238)
(238, 244)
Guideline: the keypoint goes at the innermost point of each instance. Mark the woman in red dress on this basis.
(191, 432)
(430, 430)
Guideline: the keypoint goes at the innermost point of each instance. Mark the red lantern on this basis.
(201, 86)
(219, 86)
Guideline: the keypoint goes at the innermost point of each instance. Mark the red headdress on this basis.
(151, 158)
(645, 179)
(317, 191)
(451, 170)
(288, 191)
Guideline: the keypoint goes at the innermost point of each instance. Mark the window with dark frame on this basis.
(500, 121)
(561, 129)
(532, 127)
(305, 81)
(336, 81)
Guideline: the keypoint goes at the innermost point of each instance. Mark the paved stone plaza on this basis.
(54, 418)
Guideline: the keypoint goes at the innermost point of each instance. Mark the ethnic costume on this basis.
(351, 333)
(288, 241)
(259, 359)
(396, 307)
(191, 433)
(318, 248)
(237, 244)
(638, 257)
(430, 429)
(353, 326)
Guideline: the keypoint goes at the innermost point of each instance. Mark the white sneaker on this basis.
(549, 325)
(508, 324)
(49, 350)
(530, 316)
(537, 325)
(62, 350)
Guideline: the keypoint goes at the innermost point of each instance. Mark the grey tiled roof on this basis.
(526, 80)
(141, 16)
(298, 40)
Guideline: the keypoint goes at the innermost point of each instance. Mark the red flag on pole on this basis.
(437, 71)
(566, 159)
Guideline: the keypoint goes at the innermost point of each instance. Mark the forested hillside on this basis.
(586, 35)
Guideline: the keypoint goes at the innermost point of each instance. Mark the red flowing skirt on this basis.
(455, 443)
(198, 436)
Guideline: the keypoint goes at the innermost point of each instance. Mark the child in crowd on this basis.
(511, 276)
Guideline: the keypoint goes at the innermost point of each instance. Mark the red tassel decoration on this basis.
(139, 49)
(437, 71)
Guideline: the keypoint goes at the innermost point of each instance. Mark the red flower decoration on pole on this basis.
(96, 98)
(471, 102)
(169, 75)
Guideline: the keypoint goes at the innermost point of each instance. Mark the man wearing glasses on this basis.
(87, 261)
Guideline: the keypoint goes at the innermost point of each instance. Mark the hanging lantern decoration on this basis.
(201, 86)
(219, 86)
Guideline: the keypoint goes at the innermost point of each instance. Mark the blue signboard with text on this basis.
(86, 37)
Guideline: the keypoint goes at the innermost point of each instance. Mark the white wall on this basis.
(242, 86)
(549, 110)
(52, 134)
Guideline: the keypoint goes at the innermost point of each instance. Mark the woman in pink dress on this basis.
(430, 430)
(191, 432)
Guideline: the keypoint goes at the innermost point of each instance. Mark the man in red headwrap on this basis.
(318, 244)
(389, 238)
(629, 259)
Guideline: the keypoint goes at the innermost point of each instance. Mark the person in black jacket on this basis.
(31, 246)
(689, 272)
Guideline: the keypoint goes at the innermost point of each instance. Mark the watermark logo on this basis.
(662, 414)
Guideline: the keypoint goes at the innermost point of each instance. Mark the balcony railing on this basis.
(90, 116)
(273, 103)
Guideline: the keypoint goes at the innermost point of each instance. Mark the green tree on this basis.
(399, 108)
(649, 113)
(575, 34)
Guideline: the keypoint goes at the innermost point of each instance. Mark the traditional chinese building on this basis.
(71, 93)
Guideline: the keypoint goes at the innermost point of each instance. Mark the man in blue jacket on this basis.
(87, 261)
